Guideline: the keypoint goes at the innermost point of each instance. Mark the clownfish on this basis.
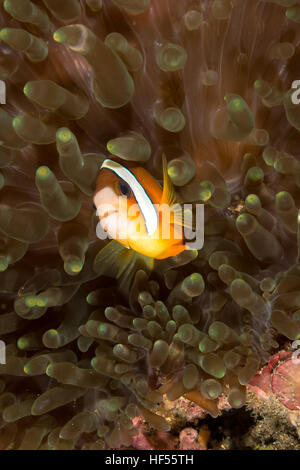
(152, 223)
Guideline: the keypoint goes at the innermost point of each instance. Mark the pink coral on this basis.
(280, 377)
(189, 440)
(144, 440)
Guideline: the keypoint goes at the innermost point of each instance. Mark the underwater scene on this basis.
(150, 225)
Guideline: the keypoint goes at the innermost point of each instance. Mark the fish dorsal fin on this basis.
(169, 197)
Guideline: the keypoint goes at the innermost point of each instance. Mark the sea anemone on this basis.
(209, 84)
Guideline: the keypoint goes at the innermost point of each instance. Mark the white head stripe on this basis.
(145, 204)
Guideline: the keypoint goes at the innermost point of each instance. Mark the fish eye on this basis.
(124, 189)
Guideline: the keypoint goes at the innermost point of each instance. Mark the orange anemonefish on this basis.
(149, 227)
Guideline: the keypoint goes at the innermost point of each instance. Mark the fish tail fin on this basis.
(181, 216)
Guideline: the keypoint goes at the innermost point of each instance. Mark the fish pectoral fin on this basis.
(112, 260)
(115, 260)
(125, 245)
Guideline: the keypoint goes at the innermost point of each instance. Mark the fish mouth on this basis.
(106, 214)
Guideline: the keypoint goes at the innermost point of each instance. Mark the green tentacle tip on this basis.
(41, 302)
(206, 191)
(59, 36)
(22, 343)
(43, 172)
(236, 104)
(26, 369)
(252, 199)
(3, 33)
(194, 253)
(193, 285)
(195, 277)
(90, 298)
(30, 301)
(293, 14)
(49, 370)
(110, 146)
(119, 348)
(17, 121)
(205, 195)
(52, 333)
(282, 195)
(173, 171)
(102, 329)
(64, 135)
(3, 263)
(242, 220)
(26, 89)
(255, 174)
(76, 266)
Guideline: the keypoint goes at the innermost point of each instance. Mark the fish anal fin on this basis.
(172, 251)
